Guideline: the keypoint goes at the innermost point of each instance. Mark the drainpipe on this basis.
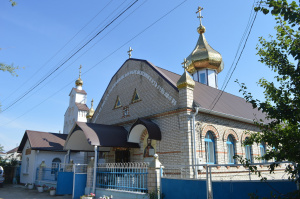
(95, 168)
(194, 141)
(68, 152)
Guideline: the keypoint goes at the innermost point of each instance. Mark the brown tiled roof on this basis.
(228, 104)
(82, 107)
(78, 91)
(13, 150)
(43, 141)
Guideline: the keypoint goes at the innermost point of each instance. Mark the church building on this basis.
(185, 119)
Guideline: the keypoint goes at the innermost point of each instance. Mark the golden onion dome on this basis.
(79, 82)
(91, 111)
(204, 56)
(185, 81)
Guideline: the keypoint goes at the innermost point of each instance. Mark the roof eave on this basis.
(233, 117)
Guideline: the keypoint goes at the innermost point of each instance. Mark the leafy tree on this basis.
(5, 67)
(1, 148)
(9, 68)
(13, 3)
(9, 168)
(281, 54)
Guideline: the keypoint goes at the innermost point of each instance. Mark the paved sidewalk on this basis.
(21, 192)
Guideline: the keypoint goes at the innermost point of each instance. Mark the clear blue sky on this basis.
(33, 32)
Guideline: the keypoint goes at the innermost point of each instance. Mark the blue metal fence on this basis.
(46, 174)
(123, 176)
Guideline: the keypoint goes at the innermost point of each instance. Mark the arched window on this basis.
(248, 152)
(262, 147)
(210, 148)
(55, 165)
(230, 149)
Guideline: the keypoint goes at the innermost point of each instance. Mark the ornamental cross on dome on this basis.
(200, 16)
(80, 71)
(184, 65)
(129, 52)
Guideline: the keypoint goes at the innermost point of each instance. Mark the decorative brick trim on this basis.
(168, 152)
(230, 132)
(144, 134)
(244, 135)
(156, 115)
(212, 129)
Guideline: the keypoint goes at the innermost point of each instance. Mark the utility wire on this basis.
(40, 68)
(240, 44)
(63, 69)
(26, 93)
(222, 91)
(113, 52)
(95, 30)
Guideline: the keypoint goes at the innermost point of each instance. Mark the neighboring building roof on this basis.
(13, 150)
(43, 141)
(228, 104)
(82, 107)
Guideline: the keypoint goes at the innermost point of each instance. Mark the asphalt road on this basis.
(21, 192)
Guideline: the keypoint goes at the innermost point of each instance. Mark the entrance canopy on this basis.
(86, 135)
(138, 128)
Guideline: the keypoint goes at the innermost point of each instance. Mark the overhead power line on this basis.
(110, 54)
(70, 64)
(51, 58)
(30, 90)
(215, 101)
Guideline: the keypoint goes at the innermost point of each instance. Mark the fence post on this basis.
(90, 173)
(41, 169)
(154, 176)
(69, 167)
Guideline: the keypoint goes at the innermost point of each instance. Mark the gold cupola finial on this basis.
(79, 81)
(201, 28)
(203, 56)
(185, 80)
(91, 111)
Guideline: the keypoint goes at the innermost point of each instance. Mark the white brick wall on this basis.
(174, 120)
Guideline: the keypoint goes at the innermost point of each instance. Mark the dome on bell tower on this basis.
(79, 81)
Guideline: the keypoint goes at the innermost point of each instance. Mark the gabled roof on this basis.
(227, 104)
(43, 141)
(82, 107)
(13, 150)
(78, 91)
